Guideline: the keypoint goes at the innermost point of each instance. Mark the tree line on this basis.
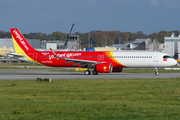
(97, 38)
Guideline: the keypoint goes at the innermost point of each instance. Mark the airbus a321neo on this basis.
(100, 62)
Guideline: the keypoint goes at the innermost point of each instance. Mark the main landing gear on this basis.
(87, 72)
(156, 73)
(94, 72)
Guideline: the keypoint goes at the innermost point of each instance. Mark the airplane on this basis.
(99, 61)
(5, 50)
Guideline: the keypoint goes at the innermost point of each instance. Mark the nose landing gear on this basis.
(156, 73)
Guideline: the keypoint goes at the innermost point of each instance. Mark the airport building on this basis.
(141, 44)
(172, 45)
(146, 44)
(7, 42)
(35, 43)
(73, 42)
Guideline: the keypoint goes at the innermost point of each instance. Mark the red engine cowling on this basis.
(117, 69)
(104, 68)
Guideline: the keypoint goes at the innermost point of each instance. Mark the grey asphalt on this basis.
(33, 74)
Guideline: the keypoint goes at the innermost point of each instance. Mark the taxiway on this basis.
(33, 74)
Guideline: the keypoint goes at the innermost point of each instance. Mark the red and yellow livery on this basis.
(101, 62)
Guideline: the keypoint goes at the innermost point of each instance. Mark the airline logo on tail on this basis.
(18, 36)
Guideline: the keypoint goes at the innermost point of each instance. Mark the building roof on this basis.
(172, 35)
(139, 41)
(121, 46)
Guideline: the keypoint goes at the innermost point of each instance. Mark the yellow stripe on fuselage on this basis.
(19, 51)
(114, 59)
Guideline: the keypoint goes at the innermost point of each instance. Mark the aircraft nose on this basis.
(175, 62)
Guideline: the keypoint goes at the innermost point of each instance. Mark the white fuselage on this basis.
(144, 59)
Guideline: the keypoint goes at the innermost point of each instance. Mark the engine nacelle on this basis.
(104, 68)
(117, 69)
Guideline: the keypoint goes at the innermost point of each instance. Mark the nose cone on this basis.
(174, 62)
(171, 62)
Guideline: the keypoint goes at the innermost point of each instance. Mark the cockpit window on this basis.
(166, 56)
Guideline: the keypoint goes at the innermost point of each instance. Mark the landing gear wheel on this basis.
(156, 73)
(94, 72)
(87, 72)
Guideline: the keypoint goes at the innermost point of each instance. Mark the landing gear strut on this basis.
(87, 72)
(156, 73)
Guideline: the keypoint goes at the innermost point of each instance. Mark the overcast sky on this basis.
(47, 16)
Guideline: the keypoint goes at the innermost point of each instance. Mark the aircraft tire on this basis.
(156, 73)
(87, 72)
(94, 72)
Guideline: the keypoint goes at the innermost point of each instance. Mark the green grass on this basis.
(149, 71)
(122, 99)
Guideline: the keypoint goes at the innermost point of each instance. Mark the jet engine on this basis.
(104, 68)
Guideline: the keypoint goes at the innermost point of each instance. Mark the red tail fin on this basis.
(20, 43)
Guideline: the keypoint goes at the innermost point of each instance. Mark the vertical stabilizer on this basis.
(21, 45)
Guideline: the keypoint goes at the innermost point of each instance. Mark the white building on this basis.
(146, 44)
(172, 45)
(51, 45)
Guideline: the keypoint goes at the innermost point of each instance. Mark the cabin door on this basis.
(34, 56)
(155, 57)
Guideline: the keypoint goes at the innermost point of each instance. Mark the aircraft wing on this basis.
(77, 61)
